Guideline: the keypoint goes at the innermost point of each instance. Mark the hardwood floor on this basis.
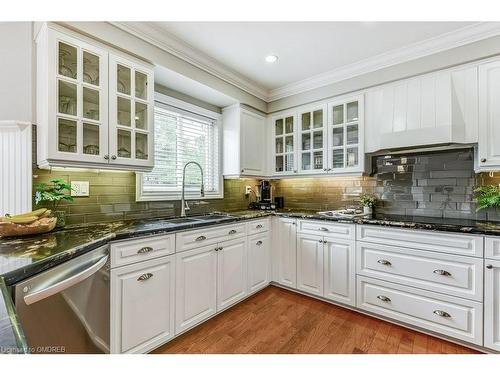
(279, 321)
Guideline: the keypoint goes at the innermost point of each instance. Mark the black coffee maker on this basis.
(265, 194)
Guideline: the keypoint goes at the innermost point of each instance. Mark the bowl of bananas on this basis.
(34, 222)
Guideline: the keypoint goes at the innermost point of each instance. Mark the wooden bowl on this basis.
(40, 226)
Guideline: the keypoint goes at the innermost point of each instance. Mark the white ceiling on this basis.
(305, 49)
(311, 54)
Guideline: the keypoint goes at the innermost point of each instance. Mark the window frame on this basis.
(174, 195)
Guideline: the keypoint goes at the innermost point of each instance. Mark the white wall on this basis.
(16, 71)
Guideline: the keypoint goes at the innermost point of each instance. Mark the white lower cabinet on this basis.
(231, 272)
(258, 261)
(142, 305)
(287, 252)
(339, 271)
(310, 263)
(492, 304)
(196, 286)
(455, 317)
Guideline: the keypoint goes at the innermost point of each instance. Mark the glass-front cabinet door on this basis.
(78, 119)
(345, 136)
(131, 113)
(312, 140)
(284, 141)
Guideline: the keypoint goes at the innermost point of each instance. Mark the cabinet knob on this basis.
(232, 231)
(242, 171)
(325, 170)
(483, 160)
(295, 171)
(320, 241)
(442, 272)
(106, 157)
(113, 157)
(258, 243)
(258, 226)
(489, 266)
(145, 276)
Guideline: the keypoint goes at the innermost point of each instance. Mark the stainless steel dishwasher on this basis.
(66, 308)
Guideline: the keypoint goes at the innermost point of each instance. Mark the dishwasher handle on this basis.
(73, 278)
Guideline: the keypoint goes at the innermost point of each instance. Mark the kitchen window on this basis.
(183, 133)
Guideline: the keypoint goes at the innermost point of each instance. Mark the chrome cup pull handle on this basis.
(258, 243)
(145, 249)
(323, 229)
(384, 262)
(384, 298)
(442, 272)
(258, 226)
(145, 276)
(442, 313)
(232, 231)
(201, 238)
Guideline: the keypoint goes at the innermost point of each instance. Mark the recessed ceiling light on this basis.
(271, 58)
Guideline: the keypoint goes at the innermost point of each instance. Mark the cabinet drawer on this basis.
(136, 250)
(208, 236)
(461, 244)
(258, 226)
(451, 274)
(492, 247)
(325, 228)
(451, 316)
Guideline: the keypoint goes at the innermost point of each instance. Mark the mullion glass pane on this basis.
(67, 98)
(141, 85)
(338, 114)
(352, 111)
(306, 121)
(124, 143)
(66, 134)
(318, 119)
(90, 104)
(279, 145)
(352, 156)
(337, 136)
(90, 68)
(279, 163)
(352, 134)
(141, 115)
(338, 158)
(123, 111)
(289, 143)
(90, 139)
(318, 139)
(123, 79)
(318, 159)
(306, 141)
(289, 162)
(278, 127)
(289, 125)
(68, 60)
(306, 161)
(141, 146)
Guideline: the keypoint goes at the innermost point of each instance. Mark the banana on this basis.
(45, 214)
(22, 220)
(36, 213)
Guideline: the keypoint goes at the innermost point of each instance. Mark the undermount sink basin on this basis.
(212, 217)
(182, 220)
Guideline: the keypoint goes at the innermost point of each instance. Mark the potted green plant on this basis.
(52, 195)
(368, 202)
(488, 197)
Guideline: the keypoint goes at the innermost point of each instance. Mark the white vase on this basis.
(367, 210)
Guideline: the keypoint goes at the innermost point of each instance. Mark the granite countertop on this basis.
(23, 257)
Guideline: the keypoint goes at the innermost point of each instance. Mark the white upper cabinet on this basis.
(430, 109)
(489, 116)
(312, 140)
(76, 101)
(244, 142)
(284, 144)
(131, 111)
(346, 135)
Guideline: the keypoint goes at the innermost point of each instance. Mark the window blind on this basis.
(180, 137)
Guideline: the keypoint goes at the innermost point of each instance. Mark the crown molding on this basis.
(160, 38)
(440, 43)
(153, 34)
